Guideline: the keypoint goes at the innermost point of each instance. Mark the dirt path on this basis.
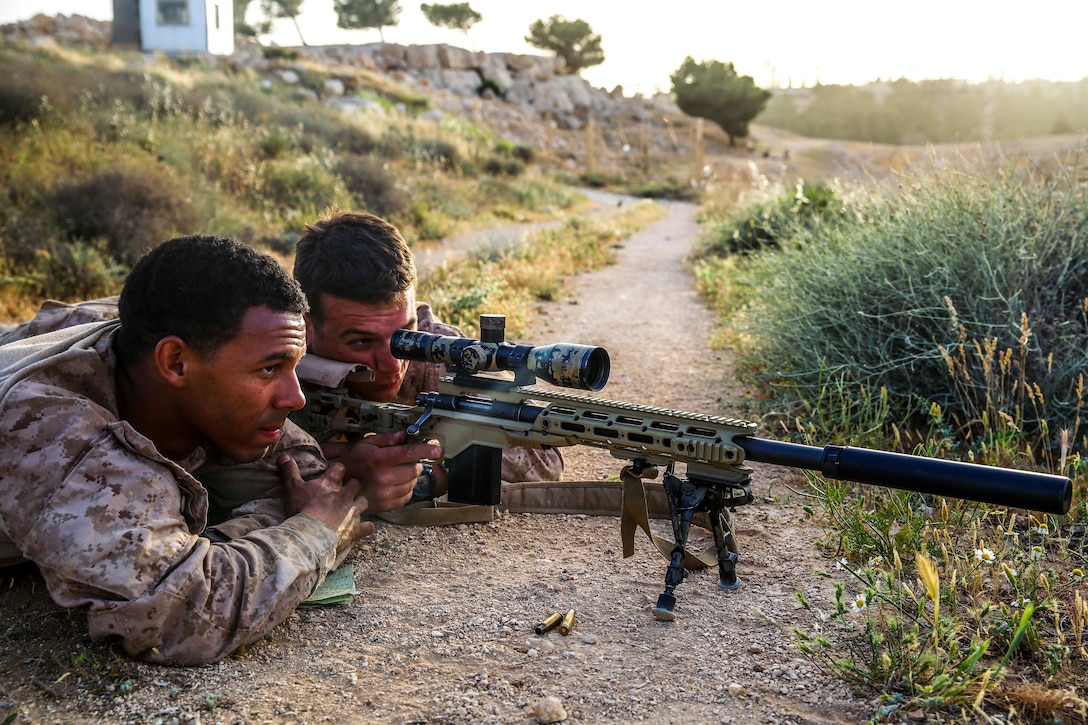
(442, 630)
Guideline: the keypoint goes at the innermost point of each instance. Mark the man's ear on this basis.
(309, 329)
(173, 361)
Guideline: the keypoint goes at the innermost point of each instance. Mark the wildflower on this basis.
(841, 564)
(859, 603)
(876, 561)
(1037, 552)
(986, 556)
(1042, 529)
(1078, 574)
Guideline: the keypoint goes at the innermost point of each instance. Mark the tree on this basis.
(240, 24)
(713, 90)
(360, 14)
(455, 16)
(284, 9)
(572, 40)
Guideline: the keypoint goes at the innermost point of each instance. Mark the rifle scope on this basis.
(565, 364)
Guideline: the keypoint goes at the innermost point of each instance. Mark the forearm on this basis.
(219, 596)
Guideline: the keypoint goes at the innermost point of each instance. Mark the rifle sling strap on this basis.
(634, 500)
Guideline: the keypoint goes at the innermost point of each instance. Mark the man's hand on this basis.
(329, 499)
(385, 464)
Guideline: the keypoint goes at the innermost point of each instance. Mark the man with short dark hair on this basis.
(359, 276)
(108, 427)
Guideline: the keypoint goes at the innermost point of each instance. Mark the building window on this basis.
(173, 12)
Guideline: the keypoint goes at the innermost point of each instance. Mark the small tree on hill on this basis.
(361, 14)
(713, 90)
(284, 9)
(240, 24)
(572, 40)
(455, 16)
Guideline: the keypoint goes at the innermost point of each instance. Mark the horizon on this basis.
(846, 43)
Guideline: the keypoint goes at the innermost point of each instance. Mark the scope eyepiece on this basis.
(569, 365)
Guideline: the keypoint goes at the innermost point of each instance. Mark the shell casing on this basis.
(567, 624)
(548, 624)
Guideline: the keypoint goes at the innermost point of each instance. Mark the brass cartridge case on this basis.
(567, 624)
(548, 624)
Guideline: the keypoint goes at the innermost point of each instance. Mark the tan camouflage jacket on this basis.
(115, 527)
(518, 464)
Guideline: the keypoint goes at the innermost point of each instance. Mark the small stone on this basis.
(549, 709)
(590, 639)
(736, 689)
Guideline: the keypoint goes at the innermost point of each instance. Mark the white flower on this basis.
(858, 603)
(986, 556)
(1037, 552)
(1042, 529)
(841, 564)
(876, 561)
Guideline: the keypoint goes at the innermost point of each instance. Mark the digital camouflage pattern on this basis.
(121, 531)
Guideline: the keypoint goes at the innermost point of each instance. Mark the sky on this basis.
(781, 43)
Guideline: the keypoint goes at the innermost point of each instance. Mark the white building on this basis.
(175, 26)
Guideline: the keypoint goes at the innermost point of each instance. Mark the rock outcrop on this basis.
(537, 84)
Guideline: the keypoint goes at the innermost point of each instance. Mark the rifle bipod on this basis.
(686, 497)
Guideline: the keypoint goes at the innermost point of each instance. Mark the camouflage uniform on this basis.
(116, 527)
(518, 464)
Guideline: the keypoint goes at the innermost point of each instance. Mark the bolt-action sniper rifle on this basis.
(481, 409)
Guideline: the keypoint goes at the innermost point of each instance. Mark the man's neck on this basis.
(146, 403)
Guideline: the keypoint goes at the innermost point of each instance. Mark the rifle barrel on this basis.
(989, 484)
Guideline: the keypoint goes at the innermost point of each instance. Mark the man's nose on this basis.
(290, 394)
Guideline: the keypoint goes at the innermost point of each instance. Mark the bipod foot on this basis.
(665, 609)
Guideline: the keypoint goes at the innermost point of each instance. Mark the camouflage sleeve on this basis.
(54, 315)
(518, 464)
(116, 532)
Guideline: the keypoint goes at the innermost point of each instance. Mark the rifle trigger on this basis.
(414, 428)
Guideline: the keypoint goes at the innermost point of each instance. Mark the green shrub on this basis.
(498, 166)
(130, 208)
(965, 293)
(274, 52)
(374, 187)
(300, 185)
(77, 271)
(769, 223)
(524, 153)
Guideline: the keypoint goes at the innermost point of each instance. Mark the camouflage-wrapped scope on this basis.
(569, 365)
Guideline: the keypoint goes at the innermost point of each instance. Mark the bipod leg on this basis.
(683, 497)
(726, 545)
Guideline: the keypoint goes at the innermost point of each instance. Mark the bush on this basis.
(274, 52)
(130, 208)
(367, 179)
(77, 271)
(769, 223)
(498, 166)
(969, 294)
(300, 185)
